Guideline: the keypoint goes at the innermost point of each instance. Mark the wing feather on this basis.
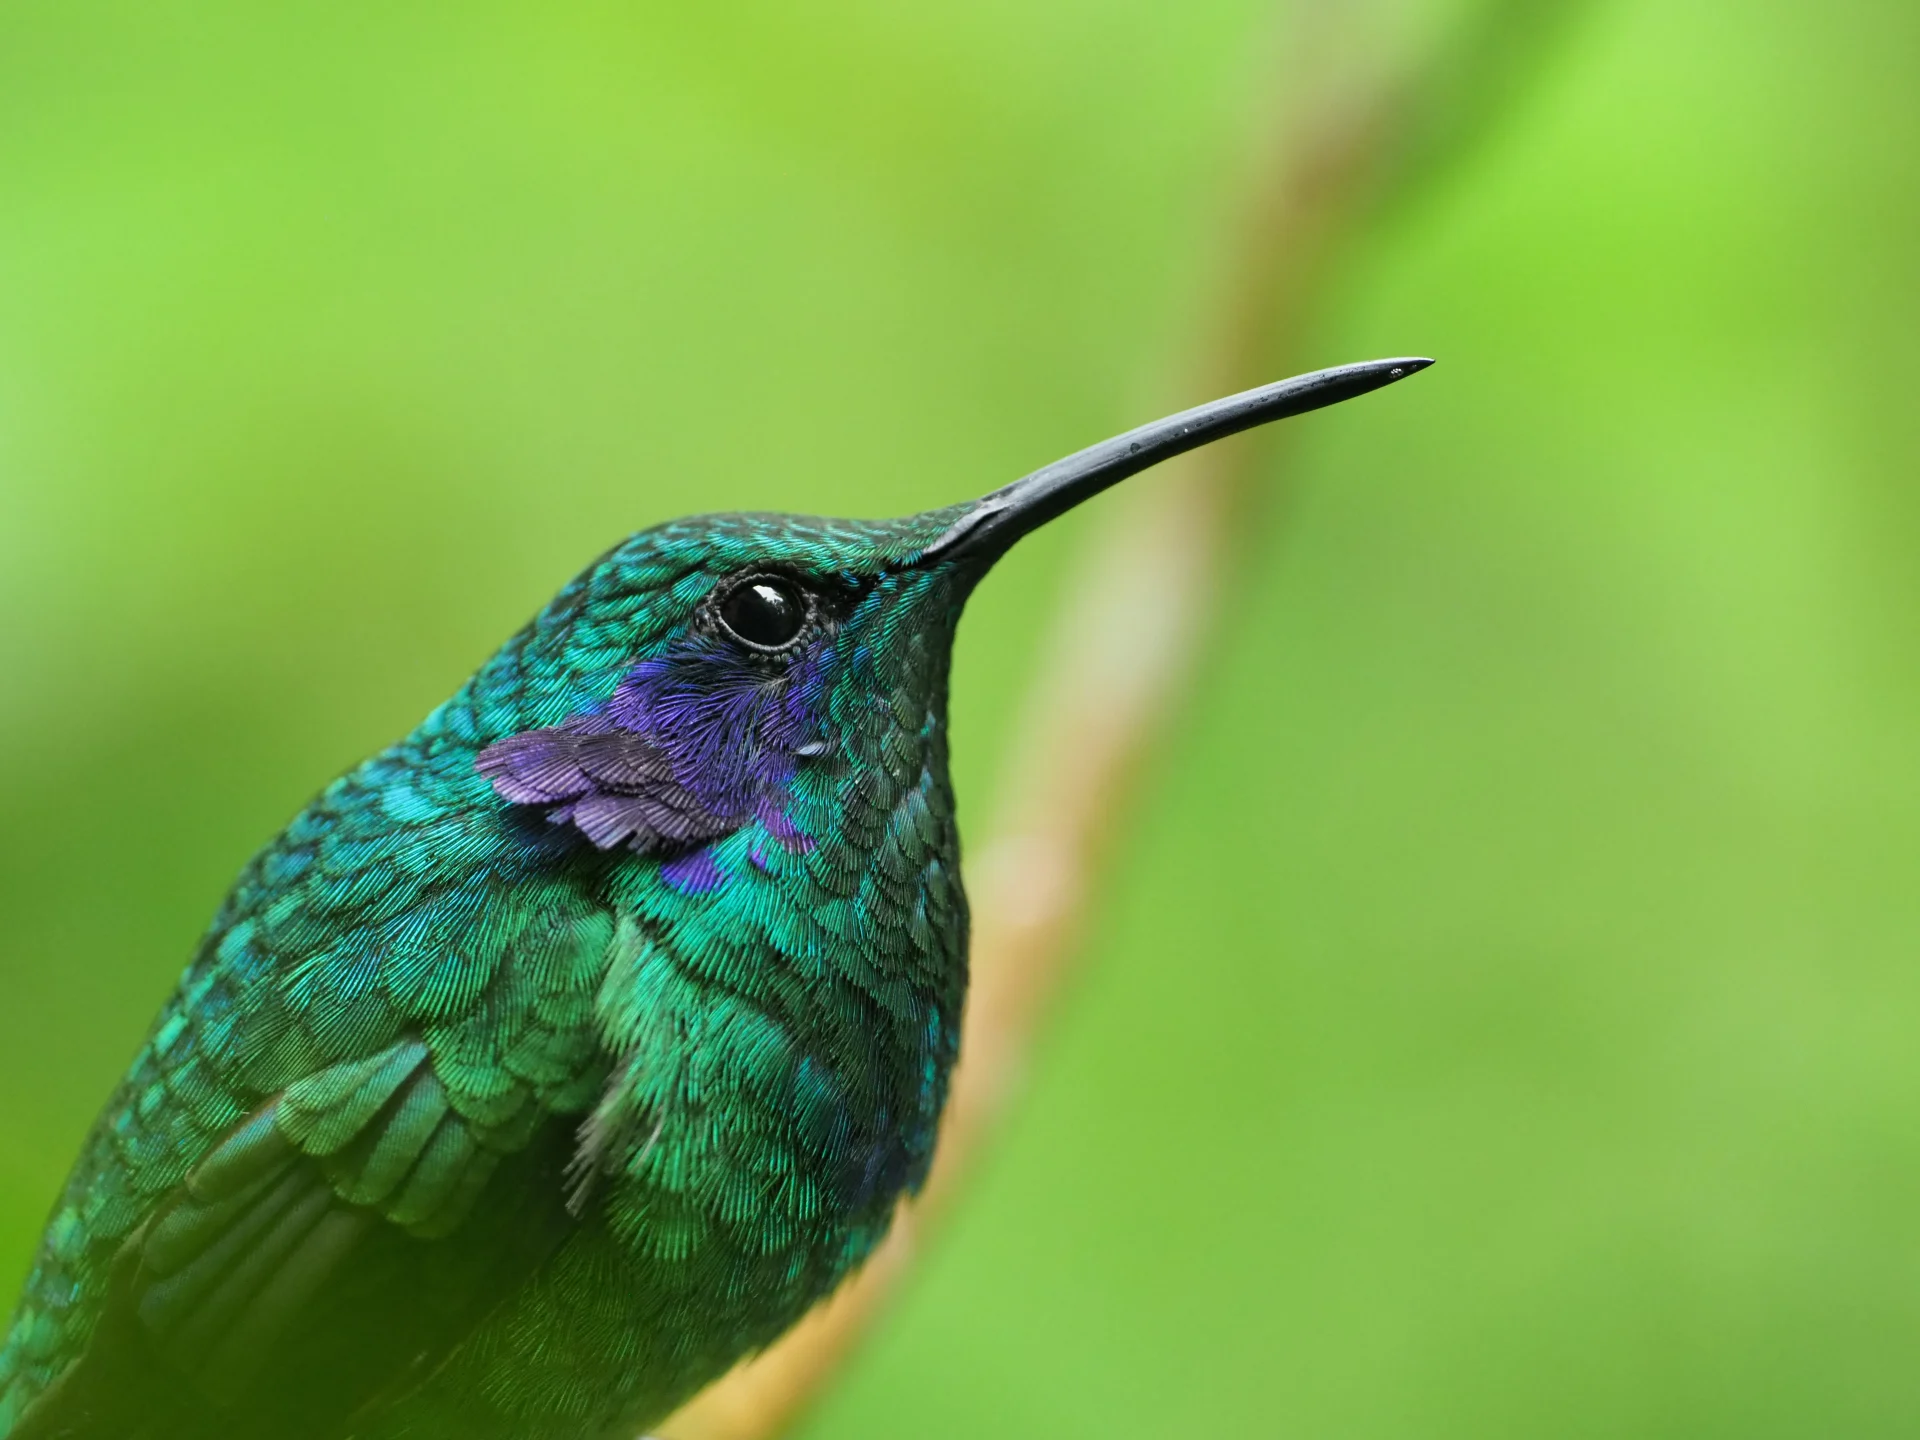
(391, 1017)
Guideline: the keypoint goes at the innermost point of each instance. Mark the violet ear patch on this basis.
(692, 745)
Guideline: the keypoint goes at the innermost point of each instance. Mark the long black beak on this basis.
(987, 530)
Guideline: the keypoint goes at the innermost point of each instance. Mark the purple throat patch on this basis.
(691, 746)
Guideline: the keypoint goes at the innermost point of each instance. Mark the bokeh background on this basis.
(1503, 1016)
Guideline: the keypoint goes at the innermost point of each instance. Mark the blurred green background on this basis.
(1505, 1016)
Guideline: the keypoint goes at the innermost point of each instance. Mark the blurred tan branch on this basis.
(1369, 94)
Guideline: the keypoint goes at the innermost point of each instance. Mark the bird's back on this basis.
(390, 1013)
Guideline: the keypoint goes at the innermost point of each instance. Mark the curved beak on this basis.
(996, 521)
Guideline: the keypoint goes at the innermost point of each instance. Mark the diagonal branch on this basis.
(1373, 98)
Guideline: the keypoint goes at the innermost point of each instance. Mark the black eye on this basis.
(766, 612)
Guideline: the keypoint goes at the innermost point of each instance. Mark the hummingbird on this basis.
(572, 1048)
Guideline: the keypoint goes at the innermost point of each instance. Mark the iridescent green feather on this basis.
(416, 1015)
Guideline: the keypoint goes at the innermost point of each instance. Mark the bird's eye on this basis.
(766, 612)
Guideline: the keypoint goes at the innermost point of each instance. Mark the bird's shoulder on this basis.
(396, 995)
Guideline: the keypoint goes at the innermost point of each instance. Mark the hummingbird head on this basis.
(739, 691)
